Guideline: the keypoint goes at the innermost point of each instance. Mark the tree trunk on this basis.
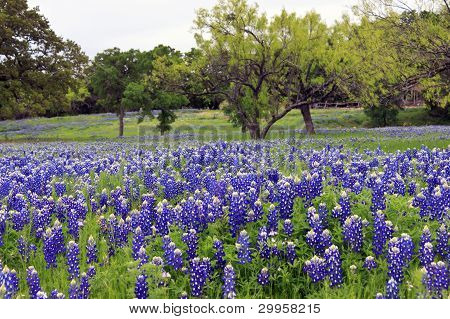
(255, 131)
(309, 125)
(121, 116)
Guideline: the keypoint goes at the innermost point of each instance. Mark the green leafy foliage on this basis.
(37, 67)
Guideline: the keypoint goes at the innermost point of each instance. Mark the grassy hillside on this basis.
(101, 126)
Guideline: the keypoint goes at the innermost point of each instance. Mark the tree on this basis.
(436, 93)
(400, 47)
(151, 94)
(37, 67)
(265, 68)
(115, 74)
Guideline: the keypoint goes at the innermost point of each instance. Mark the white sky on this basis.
(97, 25)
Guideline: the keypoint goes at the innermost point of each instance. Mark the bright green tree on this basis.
(396, 48)
(265, 67)
(150, 94)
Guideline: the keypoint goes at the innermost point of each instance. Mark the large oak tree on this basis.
(37, 67)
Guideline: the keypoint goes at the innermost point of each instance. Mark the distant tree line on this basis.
(255, 68)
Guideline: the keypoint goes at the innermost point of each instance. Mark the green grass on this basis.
(105, 126)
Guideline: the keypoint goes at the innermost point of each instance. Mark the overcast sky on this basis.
(97, 25)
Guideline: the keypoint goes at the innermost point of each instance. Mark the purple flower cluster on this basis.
(436, 278)
(383, 230)
(199, 272)
(263, 277)
(353, 232)
(9, 282)
(243, 248)
(229, 284)
(316, 268)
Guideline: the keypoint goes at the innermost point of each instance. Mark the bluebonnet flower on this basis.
(315, 222)
(379, 295)
(395, 264)
(412, 188)
(378, 194)
(91, 251)
(58, 238)
(333, 265)
(157, 261)
(243, 248)
(344, 203)
(406, 247)
(370, 263)
(163, 217)
(19, 219)
(263, 247)
(315, 183)
(207, 269)
(399, 185)
(263, 277)
(49, 249)
(169, 252)
(326, 239)
(229, 284)
(272, 219)
(316, 268)
(319, 241)
(442, 243)
(219, 254)
(286, 198)
(291, 254)
(382, 232)
(258, 210)
(426, 254)
(121, 233)
(142, 257)
(91, 272)
(24, 248)
(73, 289)
(41, 295)
(10, 281)
(436, 278)
(138, 242)
(73, 258)
(84, 289)
(60, 188)
(357, 188)
(337, 212)
(392, 289)
(141, 287)
(352, 230)
(41, 220)
(2, 226)
(33, 281)
(323, 214)
(237, 210)
(191, 240)
(425, 237)
(198, 275)
(74, 223)
(55, 294)
(177, 259)
(288, 227)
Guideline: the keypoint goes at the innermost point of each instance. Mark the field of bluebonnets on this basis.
(354, 214)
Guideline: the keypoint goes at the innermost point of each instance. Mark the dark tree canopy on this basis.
(114, 72)
(37, 67)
